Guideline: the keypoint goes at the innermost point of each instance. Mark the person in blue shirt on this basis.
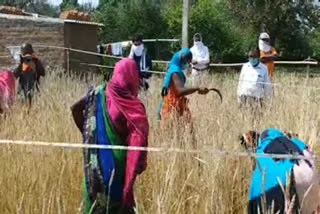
(298, 177)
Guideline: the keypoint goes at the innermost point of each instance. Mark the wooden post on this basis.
(185, 22)
(68, 62)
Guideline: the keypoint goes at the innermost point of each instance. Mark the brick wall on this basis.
(15, 30)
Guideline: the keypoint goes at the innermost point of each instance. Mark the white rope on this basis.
(217, 153)
(8, 56)
(277, 84)
(276, 62)
(111, 67)
(144, 40)
(167, 62)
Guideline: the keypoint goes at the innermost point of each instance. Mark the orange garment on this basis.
(270, 64)
(172, 103)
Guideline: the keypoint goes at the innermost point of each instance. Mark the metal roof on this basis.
(82, 22)
(39, 18)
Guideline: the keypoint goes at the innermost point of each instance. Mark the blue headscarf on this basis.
(175, 66)
(274, 170)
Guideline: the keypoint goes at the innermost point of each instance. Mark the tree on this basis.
(33, 6)
(287, 21)
(226, 41)
(124, 20)
(69, 4)
(22, 4)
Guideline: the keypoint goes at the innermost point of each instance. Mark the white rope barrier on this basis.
(167, 62)
(111, 67)
(217, 153)
(276, 62)
(8, 56)
(144, 40)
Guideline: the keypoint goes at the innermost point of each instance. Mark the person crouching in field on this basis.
(174, 92)
(282, 185)
(254, 83)
(113, 115)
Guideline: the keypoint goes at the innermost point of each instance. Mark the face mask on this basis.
(138, 50)
(197, 43)
(254, 61)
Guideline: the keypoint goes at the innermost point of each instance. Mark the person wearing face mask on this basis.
(268, 54)
(200, 56)
(143, 61)
(174, 92)
(254, 83)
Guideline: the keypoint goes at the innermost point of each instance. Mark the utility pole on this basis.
(185, 22)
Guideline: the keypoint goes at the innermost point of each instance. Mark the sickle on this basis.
(218, 92)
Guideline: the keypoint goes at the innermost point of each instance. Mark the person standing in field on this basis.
(143, 61)
(113, 115)
(254, 83)
(268, 54)
(200, 56)
(174, 92)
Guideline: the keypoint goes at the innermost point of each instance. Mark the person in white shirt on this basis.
(200, 55)
(254, 83)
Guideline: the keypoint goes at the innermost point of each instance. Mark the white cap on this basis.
(264, 35)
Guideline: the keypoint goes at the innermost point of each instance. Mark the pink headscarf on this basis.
(123, 91)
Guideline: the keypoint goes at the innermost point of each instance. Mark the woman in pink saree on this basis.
(7, 90)
(113, 115)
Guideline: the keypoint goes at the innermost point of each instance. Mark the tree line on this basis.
(229, 28)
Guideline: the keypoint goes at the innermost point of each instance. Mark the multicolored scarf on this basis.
(104, 169)
(110, 174)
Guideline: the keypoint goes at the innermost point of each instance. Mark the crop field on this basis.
(49, 180)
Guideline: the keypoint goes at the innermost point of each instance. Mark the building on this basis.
(44, 31)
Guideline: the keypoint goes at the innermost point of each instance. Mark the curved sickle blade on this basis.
(218, 92)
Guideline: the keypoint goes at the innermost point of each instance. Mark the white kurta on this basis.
(200, 54)
(254, 81)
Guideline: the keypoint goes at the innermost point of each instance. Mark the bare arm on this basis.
(182, 91)
(77, 113)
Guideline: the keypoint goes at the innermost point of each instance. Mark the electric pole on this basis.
(185, 22)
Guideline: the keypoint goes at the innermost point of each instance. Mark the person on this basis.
(268, 53)
(113, 115)
(7, 91)
(29, 70)
(144, 62)
(254, 84)
(286, 185)
(174, 91)
(200, 56)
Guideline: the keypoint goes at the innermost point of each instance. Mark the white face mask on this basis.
(197, 43)
(138, 50)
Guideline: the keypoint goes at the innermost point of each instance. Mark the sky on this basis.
(58, 2)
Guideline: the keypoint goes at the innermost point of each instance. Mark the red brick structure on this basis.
(39, 31)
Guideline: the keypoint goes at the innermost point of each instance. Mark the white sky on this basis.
(57, 2)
